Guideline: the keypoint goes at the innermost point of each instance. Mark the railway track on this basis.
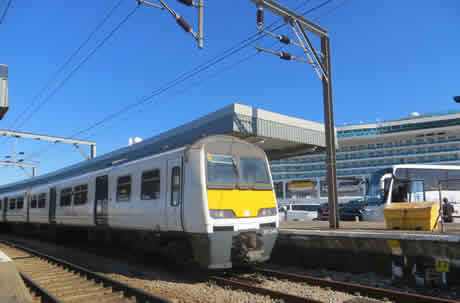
(55, 280)
(371, 292)
(243, 284)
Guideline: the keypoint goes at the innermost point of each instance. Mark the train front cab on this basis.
(239, 205)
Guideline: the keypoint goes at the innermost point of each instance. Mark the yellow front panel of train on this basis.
(244, 203)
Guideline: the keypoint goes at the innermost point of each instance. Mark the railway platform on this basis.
(12, 288)
(419, 257)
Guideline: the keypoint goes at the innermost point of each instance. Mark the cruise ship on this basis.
(365, 148)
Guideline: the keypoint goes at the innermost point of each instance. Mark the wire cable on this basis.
(198, 69)
(243, 44)
(80, 65)
(66, 63)
(5, 11)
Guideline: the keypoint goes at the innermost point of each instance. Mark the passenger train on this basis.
(214, 197)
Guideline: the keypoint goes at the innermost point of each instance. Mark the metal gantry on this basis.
(23, 165)
(322, 65)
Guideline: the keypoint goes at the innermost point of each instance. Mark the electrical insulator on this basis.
(187, 2)
(286, 56)
(284, 39)
(181, 21)
(260, 16)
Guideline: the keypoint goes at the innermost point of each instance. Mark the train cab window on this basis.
(66, 197)
(33, 201)
(80, 194)
(150, 186)
(175, 186)
(42, 200)
(12, 203)
(20, 202)
(123, 188)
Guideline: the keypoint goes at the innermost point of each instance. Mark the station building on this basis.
(365, 148)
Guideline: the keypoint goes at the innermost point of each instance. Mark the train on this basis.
(213, 198)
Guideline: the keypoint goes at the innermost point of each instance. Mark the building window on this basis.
(66, 197)
(12, 203)
(150, 186)
(42, 200)
(124, 188)
(20, 202)
(80, 194)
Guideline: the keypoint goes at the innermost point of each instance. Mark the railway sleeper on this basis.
(93, 296)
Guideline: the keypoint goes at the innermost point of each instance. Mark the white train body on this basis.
(216, 194)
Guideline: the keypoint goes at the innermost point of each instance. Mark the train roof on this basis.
(278, 135)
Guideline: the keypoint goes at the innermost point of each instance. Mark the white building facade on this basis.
(365, 148)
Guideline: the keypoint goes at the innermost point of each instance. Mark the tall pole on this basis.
(330, 135)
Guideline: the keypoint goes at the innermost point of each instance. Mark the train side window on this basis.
(66, 196)
(175, 186)
(12, 203)
(150, 186)
(20, 202)
(1, 202)
(123, 188)
(42, 200)
(80, 194)
(33, 201)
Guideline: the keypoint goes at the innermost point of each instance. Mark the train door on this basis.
(101, 200)
(52, 205)
(27, 205)
(5, 208)
(174, 195)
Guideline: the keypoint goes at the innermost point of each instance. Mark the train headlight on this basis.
(266, 212)
(221, 213)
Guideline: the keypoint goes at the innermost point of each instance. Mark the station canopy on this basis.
(279, 135)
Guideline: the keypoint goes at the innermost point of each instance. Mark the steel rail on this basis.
(235, 283)
(45, 296)
(128, 291)
(373, 292)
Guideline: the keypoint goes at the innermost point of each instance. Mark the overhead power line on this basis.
(5, 11)
(194, 71)
(67, 62)
(80, 65)
(187, 75)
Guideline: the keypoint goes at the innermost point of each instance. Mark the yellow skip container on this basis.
(412, 216)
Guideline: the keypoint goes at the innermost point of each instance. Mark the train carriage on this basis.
(38, 204)
(16, 207)
(213, 199)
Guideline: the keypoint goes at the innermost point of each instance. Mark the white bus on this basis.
(411, 183)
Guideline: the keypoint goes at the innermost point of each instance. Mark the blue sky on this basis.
(389, 58)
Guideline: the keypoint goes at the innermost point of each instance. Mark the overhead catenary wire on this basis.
(80, 65)
(243, 44)
(193, 72)
(67, 62)
(5, 11)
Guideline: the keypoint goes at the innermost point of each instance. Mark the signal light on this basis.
(187, 2)
(457, 99)
(285, 56)
(260, 16)
(181, 21)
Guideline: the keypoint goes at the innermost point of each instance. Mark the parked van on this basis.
(299, 212)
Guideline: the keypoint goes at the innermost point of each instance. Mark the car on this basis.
(347, 211)
(299, 212)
